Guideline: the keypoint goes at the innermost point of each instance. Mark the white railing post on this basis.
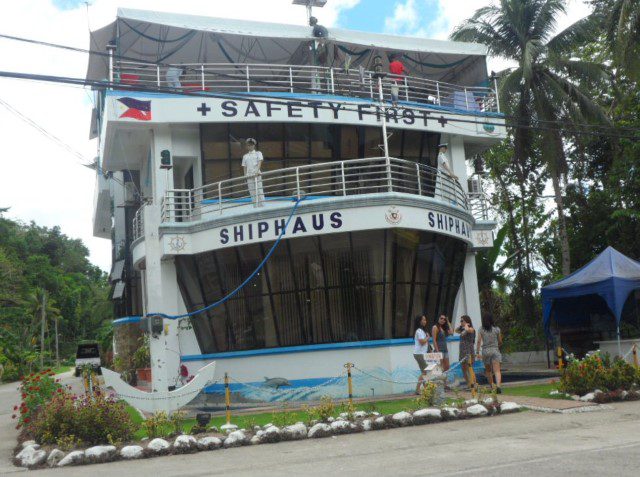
(419, 179)
(220, 197)
(202, 76)
(466, 99)
(438, 92)
(248, 80)
(290, 79)
(158, 75)
(344, 182)
(495, 92)
(333, 88)
(298, 183)
(389, 178)
(406, 89)
(370, 86)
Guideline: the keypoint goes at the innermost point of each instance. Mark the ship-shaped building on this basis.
(372, 228)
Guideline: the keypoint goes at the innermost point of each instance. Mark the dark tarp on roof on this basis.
(159, 37)
(611, 275)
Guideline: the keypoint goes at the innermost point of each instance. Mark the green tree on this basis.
(544, 87)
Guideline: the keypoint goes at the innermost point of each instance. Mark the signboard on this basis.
(134, 107)
(332, 220)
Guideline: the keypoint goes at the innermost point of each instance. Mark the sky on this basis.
(44, 182)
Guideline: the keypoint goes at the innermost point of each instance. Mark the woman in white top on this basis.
(251, 163)
(420, 348)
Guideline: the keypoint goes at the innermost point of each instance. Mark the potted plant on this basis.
(142, 360)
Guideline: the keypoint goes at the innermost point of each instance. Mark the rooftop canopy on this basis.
(611, 275)
(159, 37)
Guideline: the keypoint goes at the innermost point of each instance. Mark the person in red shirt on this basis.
(396, 68)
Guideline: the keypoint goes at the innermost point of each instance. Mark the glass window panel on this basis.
(297, 137)
(349, 143)
(411, 145)
(270, 139)
(321, 141)
(395, 142)
(216, 170)
(372, 142)
(215, 141)
(238, 134)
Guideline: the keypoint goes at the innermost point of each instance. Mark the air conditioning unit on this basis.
(475, 185)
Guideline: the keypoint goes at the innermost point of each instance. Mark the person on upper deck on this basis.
(396, 68)
(443, 161)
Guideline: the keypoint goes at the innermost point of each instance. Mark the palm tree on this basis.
(622, 23)
(545, 86)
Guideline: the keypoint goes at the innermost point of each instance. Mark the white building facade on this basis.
(376, 233)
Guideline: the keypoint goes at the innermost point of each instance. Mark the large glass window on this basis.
(291, 145)
(344, 287)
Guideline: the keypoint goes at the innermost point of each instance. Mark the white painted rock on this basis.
(588, 397)
(227, 428)
(55, 456)
(450, 413)
(360, 414)
(375, 413)
(31, 456)
(319, 430)
(131, 452)
(185, 443)
(477, 410)
(575, 397)
(340, 427)
(381, 422)
(30, 444)
(209, 443)
(623, 395)
(402, 418)
(72, 458)
(100, 453)
(555, 392)
(366, 424)
(213, 429)
(158, 445)
(267, 425)
(330, 419)
(255, 440)
(235, 439)
(487, 400)
(425, 416)
(295, 432)
(344, 415)
(470, 402)
(271, 434)
(508, 406)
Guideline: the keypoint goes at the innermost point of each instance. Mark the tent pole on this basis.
(618, 336)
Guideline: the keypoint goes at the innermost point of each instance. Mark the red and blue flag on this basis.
(136, 109)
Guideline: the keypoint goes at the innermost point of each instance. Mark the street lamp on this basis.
(310, 4)
(378, 73)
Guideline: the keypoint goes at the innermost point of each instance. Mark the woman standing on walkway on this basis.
(490, 340)
(441, 329)
(467, 340)
(420, 347)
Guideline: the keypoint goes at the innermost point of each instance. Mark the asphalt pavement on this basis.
(605, 442)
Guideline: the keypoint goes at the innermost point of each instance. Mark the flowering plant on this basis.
(36, 389)
(598, 372)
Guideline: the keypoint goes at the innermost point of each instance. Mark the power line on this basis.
(570, 128)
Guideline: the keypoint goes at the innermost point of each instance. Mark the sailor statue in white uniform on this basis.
(251, 163)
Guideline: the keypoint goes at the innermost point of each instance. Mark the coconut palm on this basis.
(622, 21)
(545, 84)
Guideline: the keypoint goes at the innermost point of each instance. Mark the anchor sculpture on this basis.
(167, 401)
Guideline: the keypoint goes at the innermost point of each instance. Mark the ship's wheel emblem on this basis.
(483, 238)
(393, 215)
(177, 243)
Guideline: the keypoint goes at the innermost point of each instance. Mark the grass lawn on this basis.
(534, 390)
(284, 417)
(61, 369)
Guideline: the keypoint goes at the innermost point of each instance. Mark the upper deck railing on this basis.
(327, 180)
(251, 78)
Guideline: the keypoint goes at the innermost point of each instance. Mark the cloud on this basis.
(405, 18)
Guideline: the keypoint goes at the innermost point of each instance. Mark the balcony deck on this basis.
(318, 182)
(303, 79)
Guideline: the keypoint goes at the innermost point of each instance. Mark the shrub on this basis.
(427, 396)
(156, 425)
(176, 422)
(322, 411)
(36, 390)
(90, 420)
(598, 372)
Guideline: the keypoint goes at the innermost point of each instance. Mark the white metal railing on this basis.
(234, 77)
(317, 181)
(138, 223)
(479, 205)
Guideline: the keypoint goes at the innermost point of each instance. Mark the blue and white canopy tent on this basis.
(611, 275)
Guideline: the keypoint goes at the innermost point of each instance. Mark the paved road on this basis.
(529, 443)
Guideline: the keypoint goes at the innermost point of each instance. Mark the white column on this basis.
(458, 157)
(163, 295)
(469, 289)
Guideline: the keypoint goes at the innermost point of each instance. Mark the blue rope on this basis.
(247, 280)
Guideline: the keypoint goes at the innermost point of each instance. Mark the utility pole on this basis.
(42, 322)
(57, 354)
